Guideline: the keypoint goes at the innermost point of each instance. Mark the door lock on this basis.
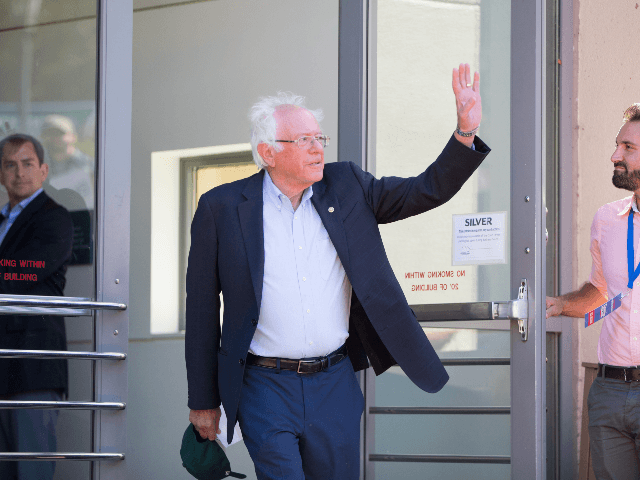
(517, 309)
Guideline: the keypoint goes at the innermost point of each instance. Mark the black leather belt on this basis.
(304, 365)
(626, 374)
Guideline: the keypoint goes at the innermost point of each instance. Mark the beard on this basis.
(627, 180)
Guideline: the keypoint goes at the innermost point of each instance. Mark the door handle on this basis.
(517, 309)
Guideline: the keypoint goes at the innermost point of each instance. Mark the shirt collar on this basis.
(628, 206)
(6, 210)
(273, 193)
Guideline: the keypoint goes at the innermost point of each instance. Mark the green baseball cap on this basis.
(204, 459)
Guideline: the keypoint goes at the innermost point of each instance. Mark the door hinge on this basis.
(517, 309)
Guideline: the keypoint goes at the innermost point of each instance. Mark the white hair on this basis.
(263, 122)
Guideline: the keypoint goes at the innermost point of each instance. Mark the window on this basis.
(178, 179)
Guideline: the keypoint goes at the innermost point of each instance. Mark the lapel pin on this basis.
(330, 209)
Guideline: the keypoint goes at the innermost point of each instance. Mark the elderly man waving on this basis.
(309, 295)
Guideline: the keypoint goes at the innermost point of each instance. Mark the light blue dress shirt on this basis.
(306, 295)
(10, 214)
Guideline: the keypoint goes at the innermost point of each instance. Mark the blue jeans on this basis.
(302, 426)
(614, 429)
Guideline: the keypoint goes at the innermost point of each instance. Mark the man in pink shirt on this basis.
(614, 398)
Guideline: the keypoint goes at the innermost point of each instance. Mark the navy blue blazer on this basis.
(227, 255)
(43, 232)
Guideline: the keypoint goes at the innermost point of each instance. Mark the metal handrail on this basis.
(48, 456)
(499, 459)
(58, 302)
(58, 312)
(460, 362)
(440, 410)
(66, 405)
(53, 354)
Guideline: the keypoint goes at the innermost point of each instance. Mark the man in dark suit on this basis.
(36, 236)
(309, 295)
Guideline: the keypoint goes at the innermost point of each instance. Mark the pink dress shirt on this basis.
(619, 342)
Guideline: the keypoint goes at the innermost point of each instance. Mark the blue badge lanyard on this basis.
(633, 274)
(616, 302)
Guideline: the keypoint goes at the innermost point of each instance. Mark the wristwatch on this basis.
(466, 134)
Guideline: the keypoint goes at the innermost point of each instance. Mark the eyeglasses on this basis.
(306, 140)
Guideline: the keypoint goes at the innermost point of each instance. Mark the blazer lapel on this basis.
(250, 213)
(327, 206)
(22, 219)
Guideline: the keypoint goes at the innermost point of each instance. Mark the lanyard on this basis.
(633, 274)
(606, 308)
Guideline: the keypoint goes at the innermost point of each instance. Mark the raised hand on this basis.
(468, 102)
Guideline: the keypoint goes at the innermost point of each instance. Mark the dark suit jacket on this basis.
(227, 254)
(42, 232)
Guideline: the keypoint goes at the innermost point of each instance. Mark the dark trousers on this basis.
(302, 426)
(614, 429)
(28, 431)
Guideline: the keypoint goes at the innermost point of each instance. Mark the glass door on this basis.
(489, 420)
(65, 109)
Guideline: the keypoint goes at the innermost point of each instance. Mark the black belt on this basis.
(626, 374)
(304, 365)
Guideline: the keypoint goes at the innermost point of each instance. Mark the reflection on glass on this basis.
(48, 60)
(418, 45)
(69, 167)
(468, 386)
(479, 386)
(48, 65)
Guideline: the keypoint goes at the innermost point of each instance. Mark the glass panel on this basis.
(48, 60)
(443, 434)
(418, 44)
(420, 471)
(469, 386)
(152, 4)
(48, 64)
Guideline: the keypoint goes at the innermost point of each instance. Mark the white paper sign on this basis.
(479, 238)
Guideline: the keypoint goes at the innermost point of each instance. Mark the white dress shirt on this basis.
(306, 295)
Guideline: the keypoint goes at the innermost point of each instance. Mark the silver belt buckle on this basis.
(629, 380)
(300, 362)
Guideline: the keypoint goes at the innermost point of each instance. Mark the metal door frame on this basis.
(115, 83)
(528, 250)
